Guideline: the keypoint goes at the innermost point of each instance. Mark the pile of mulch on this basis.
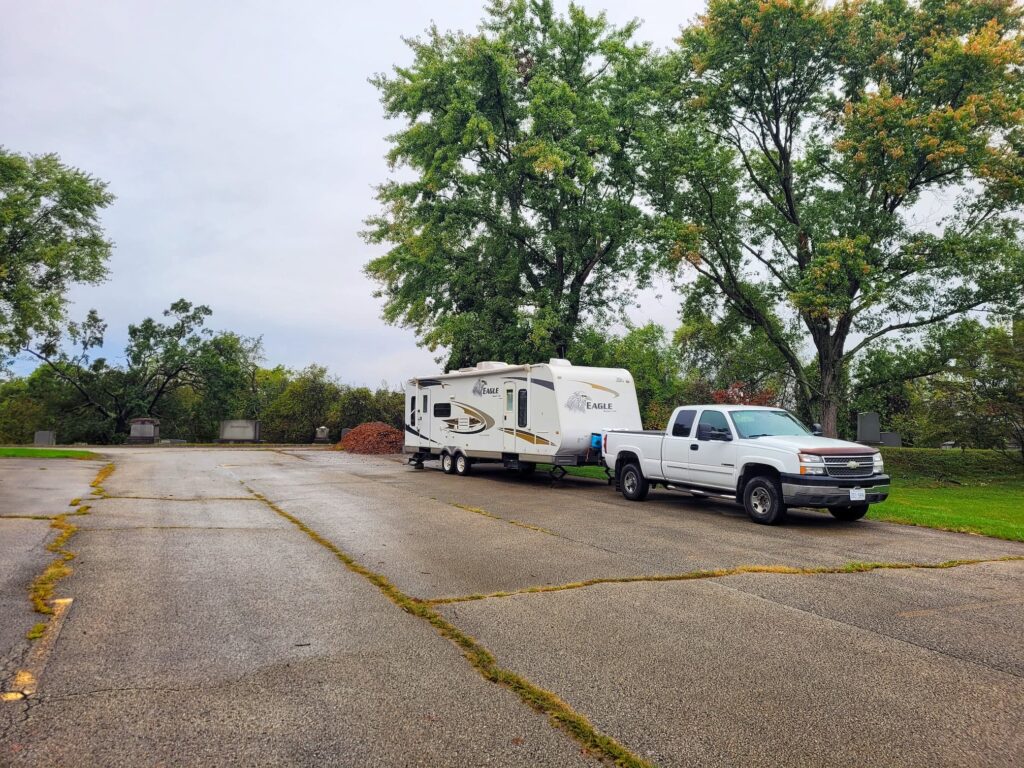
(373, 437)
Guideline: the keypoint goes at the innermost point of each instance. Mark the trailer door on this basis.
(508, 418)
(425, 415)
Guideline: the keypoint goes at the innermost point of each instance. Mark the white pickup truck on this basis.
(761, 457)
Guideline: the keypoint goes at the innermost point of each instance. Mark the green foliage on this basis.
(798, 142)
(49, 239)
(521, 216)
(994, 510)
(47, 453)
(927, 466)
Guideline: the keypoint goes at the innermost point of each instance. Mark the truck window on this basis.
(522, 408)
(443, 409)
(683, 424)
(716, 421)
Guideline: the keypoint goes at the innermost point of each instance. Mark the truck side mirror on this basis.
(703, 432)
(816, 429)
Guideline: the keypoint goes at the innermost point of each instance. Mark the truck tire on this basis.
(462, 464)
(849, 514)
(762, 498)
(633, 483)
(447, 463)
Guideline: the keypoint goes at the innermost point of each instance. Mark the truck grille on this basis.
(843, 466)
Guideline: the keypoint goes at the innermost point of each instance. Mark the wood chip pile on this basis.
(374, 437)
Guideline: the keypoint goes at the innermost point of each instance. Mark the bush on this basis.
(958, 465)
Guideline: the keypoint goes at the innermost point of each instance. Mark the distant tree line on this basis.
(188, 376)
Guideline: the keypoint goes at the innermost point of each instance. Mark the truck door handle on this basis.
(694, 446)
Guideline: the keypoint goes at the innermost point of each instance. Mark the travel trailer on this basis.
(519, 415)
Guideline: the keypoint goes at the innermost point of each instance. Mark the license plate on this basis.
(857, 494)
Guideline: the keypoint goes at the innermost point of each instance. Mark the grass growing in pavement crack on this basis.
(485, 513)
(37, 631)
(41, 589)
(97, 484)
(559, 712)
(853, 567)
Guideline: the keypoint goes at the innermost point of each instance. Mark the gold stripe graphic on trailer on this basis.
(527, 436)
(596, 386)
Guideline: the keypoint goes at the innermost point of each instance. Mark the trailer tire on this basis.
(849, 514)
(462, 464)
(447, 463)
(633, 483)
(762, 498)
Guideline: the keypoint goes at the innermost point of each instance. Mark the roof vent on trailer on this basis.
(558, 361)
(488, 365)
(467, 369)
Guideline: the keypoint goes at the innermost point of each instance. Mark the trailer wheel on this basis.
(634, 484)
(447, 463)
(462, 464)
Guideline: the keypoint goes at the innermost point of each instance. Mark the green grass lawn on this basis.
(995, 509)
(46, 453)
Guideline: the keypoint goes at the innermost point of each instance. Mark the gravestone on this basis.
(891, 439)
(868, 428)
(321, 435)
(45, 438)
(240, 431)
(144, 431)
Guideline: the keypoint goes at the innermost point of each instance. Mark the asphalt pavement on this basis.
(308, 607)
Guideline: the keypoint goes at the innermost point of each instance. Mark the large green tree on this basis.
(516, 212)
(842, 174)
(50, 238)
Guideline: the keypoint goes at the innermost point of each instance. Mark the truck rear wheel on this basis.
(447, 463)
(633, 483)
(762, 498)
(849, 514)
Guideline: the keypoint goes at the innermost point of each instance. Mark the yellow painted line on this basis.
(26, 680)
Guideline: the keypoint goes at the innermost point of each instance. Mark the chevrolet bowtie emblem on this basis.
(853, 464)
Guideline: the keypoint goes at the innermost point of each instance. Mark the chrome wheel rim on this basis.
(446, 463)
(629, 482)
(760, 501)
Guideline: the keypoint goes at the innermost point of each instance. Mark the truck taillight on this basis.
(606, 442)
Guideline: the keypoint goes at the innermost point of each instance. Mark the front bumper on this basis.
(825, 491)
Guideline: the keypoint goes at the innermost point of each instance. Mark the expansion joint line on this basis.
(559, 713)
(785, 570)
(517, 523)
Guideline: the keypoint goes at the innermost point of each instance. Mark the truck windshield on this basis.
(767, 423)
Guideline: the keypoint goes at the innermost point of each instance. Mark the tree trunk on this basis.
(830, 395)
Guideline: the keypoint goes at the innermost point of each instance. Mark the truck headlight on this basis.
(878, 467)
(811, 464)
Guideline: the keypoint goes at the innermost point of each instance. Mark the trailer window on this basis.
(523, 413)
(412, 412)
(443, 409)
(508, 399)
(424, 409)
(683, 424)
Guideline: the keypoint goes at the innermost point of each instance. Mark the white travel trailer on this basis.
(518, 415)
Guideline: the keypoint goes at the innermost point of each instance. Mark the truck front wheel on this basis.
(849, 514)
(633, 483)
(762, 498)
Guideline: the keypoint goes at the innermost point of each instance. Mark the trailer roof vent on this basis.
(558, 361)
(467, 369)
(488, 365)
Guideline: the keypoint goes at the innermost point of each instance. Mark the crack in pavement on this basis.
(559, 713)
(785, 570)
(904, 641)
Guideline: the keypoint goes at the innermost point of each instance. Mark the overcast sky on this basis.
(242, 141)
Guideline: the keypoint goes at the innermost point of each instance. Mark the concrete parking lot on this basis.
(302, 607)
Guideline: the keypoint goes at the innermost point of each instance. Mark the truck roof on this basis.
(734, 407)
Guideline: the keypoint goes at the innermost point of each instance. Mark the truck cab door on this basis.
(675, 448)
(508, 417)
(712, 452)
